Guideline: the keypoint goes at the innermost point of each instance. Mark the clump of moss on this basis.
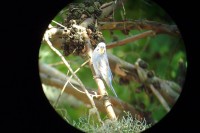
(127, 124)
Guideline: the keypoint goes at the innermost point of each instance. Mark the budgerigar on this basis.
(101, 65)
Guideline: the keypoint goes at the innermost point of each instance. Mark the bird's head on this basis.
(101, 48)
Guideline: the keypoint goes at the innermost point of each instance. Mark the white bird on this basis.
(101, 65)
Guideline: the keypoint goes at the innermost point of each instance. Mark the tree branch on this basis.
(160, 98)
(130, 39)
(139, 73)
(157, 27)
(107, 9)
(52, 77)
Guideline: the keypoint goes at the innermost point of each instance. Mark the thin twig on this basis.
(67, 72)
(107, 9)
(160, 98)
(96, 95)
(59, 24)
(130, 39)
(123, 8)
(76, 88)
(57, 63)
(63, 89)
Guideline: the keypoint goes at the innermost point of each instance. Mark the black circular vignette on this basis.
(29, 110)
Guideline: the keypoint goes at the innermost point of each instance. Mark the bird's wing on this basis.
(102, 68)
(108, 67)
(95, 62)
(105, 70)
(113, 90)
(109, 76)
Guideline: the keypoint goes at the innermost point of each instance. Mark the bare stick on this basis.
(56, 103)
(158, 27)
(107, 9)
(59, 24)
(56, 64)
(130, 39)
(160, 98)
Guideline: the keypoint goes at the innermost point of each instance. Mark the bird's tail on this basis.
(113, 90)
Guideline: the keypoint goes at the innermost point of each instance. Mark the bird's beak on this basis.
(101, 50)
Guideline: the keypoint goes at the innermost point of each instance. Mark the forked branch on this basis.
(46, 37)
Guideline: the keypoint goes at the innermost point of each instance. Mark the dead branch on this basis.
(154, 27)
(68, 81)
(52, 77)
(160, 98)
(157, 27)
(107, 9)
(130, 39)
(139, 73)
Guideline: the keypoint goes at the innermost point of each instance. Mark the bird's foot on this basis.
(96, 95)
